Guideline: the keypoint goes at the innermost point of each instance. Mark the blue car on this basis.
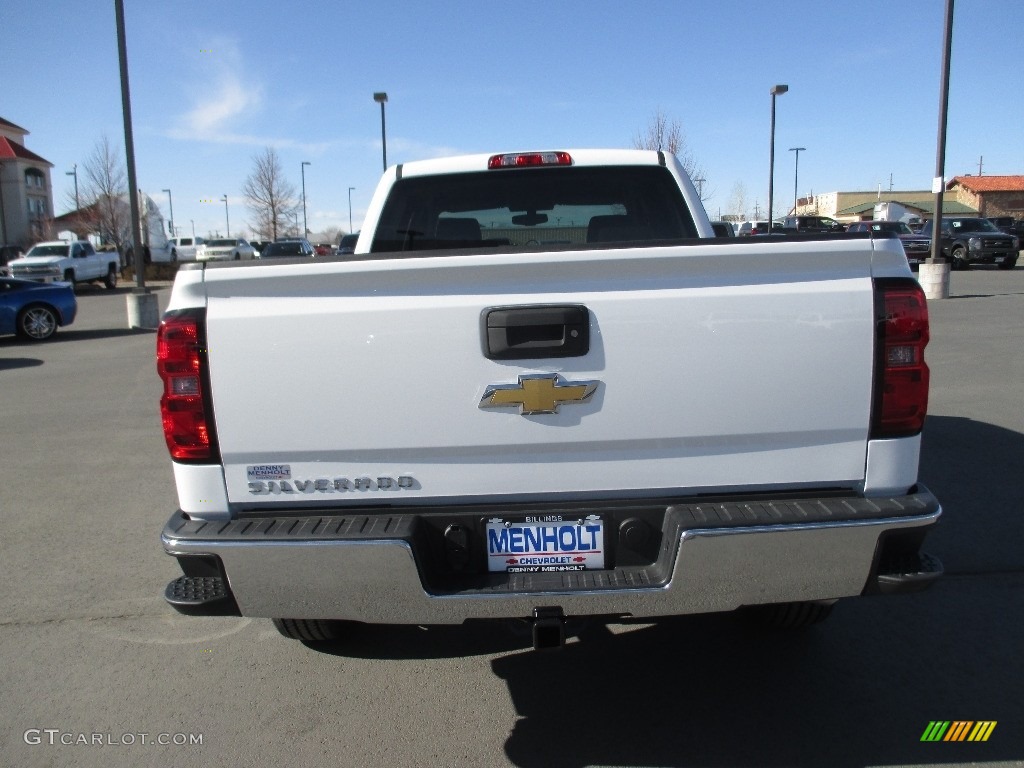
(34, 310)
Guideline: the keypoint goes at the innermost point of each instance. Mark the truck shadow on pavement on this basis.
(709, 691)
(974, 469)
(718, 690)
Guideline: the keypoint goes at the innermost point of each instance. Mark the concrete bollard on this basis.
(143, 309)
(934, 279)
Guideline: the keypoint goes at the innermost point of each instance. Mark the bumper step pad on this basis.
(201, 596)
(913, 573)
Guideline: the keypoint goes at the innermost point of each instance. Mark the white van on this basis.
(186, 248)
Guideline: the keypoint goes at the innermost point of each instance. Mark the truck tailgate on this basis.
(717, 367)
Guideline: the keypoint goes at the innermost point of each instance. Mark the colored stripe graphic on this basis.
(982, 730)
(958, 730)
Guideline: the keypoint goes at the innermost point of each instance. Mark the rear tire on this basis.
(110, 281)
(310, 630)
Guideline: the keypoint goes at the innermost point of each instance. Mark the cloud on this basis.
(213, 115)
(225, 102)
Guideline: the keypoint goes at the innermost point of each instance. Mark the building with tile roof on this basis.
(990, 195)
(26, 194)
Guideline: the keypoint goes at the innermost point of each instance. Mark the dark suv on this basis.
(967, 241)
(1010, 226)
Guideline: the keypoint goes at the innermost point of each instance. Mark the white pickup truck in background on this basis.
(540, 388)
(74, 261)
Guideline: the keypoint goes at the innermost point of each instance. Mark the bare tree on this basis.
(103, 194)
(271, 198)
(330, 235)
(738, 201)
(667, 136)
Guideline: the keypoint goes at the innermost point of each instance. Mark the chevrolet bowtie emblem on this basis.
(537, 393)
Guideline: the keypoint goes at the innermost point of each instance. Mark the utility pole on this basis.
(74, 172)
(305, 225)
(980, 164)
(796, 174)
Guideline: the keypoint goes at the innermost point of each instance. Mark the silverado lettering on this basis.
(327, 486)
(742, 426)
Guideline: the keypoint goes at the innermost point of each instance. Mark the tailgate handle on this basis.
(540, 331)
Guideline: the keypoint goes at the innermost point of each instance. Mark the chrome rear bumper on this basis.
(717, 556)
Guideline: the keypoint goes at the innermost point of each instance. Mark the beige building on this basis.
(832, 203)
(26, 194)
(849, 207)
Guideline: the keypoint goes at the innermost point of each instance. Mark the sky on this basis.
(214, 83)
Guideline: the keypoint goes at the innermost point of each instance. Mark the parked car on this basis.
(8, 253)
(347, 243)
(803, 225)
(226, 249)
(35, 310)
(72, 262)
(258, 246)
(723, 228)
(750, 228)
(969, 240)
(288, 249)
(917, 247)
(323, 249)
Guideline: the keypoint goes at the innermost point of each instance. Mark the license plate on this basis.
(544, 545)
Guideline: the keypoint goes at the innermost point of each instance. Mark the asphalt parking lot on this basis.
(99, 672)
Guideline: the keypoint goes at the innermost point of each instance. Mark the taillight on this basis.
(525, 159)
(181, 363)
(901, 374)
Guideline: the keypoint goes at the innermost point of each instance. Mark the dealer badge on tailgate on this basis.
(545, 544)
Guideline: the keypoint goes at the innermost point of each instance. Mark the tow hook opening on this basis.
(548, 629)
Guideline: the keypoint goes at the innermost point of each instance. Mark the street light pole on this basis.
(170, 202)
(227, 221)
(777, 90)
(305, 225)
(381, 98)
(74, 172)
(796, 173)
(940, 153)
(350, 209)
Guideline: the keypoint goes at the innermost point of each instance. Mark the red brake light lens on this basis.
(901, 378)
(180, 361)
(526, 159)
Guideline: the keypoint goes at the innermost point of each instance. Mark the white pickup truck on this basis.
(68, 261)
(540, 389)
